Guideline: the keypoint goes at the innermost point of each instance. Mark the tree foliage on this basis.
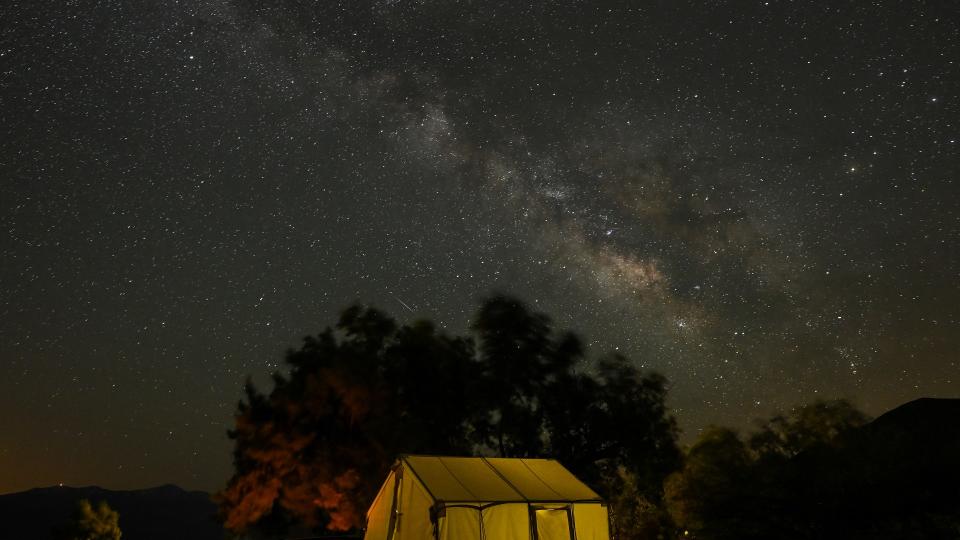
(728, 488)
(314, 450)
(820, 423)
(709, 491)
(91, 522)
(634, 513)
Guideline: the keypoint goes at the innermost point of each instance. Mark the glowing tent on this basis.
(461, 498)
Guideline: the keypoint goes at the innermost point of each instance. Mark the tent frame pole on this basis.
(394, 516)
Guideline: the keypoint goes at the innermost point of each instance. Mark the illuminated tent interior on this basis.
(475, 498)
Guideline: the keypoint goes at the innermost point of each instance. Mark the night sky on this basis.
(757, 199)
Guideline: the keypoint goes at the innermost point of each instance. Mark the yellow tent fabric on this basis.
(553, 523)
(463, 498)
(378, 518)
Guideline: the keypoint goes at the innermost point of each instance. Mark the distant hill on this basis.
(896, 477)
(159, 513)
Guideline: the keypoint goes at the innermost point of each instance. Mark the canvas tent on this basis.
(467, 498)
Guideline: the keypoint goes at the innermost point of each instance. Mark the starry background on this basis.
(757, 199)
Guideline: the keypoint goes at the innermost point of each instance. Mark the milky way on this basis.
(757, 199)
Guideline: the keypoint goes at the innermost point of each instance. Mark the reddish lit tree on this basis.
(313, 451)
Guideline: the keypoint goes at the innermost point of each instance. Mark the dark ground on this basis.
(148, 514)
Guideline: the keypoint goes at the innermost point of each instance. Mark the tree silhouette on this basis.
(517, 358)
(822, 422)
(314, 450)
(706, 497)
(728, 488)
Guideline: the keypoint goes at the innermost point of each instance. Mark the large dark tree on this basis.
(314, 450)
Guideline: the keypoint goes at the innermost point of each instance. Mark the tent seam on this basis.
(464, 486)
(529, 468)
(504, 478)
(417, 476)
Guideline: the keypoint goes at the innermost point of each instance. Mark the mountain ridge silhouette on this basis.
(160, 512)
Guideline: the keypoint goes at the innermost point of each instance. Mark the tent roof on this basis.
(478, 479)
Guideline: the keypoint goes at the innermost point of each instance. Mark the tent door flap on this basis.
(553, 523)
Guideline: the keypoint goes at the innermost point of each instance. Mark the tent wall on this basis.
(413, 518)
(512, 521)
(459, 523)
(507, 522)
(553, 522)
(591, 521)
(378, 517)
